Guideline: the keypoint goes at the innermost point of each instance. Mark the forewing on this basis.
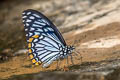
(36, 23)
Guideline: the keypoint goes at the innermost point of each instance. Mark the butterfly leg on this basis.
(57, 67)
(67, 61)
(71, 57)
(66, 67)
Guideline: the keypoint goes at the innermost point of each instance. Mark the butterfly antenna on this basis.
(73, 44)
(67, 61)
(75, 51)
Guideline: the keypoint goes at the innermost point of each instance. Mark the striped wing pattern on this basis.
(45, 43)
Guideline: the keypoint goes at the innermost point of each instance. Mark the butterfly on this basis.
(45, 42)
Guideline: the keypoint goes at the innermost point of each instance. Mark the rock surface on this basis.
(93, 26)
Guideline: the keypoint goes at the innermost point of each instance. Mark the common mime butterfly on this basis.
(45, 42)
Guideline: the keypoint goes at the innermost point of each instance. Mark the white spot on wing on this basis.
(40, 30)
(37, 33)
(50, 29)
(32, 45)
(46, 30)
(36, 15)
(24, 16)
(65, 50)
(61, 53)
(32, 17)
(34, 54)
(65, 53)
(28, 20)
(35, 25)
(60, 48)
(26, 34)
(26, 29)
(28, 13)
(27, 24)
(41, 37)
(30, 34)
(45, 21)
(35, 40)
(32, 29)
(40, 23)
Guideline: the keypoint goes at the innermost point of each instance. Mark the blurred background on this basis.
(92, 25)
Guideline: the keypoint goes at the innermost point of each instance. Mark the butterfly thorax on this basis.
(67, 50)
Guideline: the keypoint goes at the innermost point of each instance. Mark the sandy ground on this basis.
(99, 44)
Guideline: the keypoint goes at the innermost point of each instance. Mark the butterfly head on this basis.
(70, 49)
